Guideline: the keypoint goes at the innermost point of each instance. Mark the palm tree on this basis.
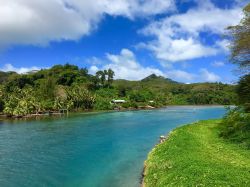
(111, 75)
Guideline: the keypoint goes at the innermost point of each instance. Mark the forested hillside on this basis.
(73, 88)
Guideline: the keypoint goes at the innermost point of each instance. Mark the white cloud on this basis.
(223, 45)
(178, 37)
(180, 75)
(217, 64)
(208, 76)
(93, 69)
(174, 50)
(132, 8)
(93, 61)
(20, 70)
(202, 76)
(41, 21)
(126, 66)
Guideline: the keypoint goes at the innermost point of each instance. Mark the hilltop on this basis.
(158, 79)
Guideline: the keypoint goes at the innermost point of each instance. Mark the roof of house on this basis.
(118, 101)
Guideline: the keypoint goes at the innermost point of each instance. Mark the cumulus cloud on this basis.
(208, 76)
(178, 37)
(125, 66)
(42, 21)
(180, 75)
(173, 50)
(203, 75)
(20, 70)
(93, 69)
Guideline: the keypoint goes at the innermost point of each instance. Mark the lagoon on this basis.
(88, 150)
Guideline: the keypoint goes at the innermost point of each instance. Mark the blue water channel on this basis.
(87, 150)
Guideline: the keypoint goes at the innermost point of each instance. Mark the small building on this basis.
(32, 71)
(118, 101)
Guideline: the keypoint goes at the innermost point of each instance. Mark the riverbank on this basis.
(54, 114)
(48, 114)
(195, 155)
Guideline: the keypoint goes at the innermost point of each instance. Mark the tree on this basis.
(243, 91)
(240, 55)
(105, 78)
(235, 125)
(21, 102)
(16, 80)
(1, 98)
(100, 75)
(80, 97)
(239, 36)
(111, 75)
(47, 88)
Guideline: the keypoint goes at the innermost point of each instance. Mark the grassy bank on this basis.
(195, 155)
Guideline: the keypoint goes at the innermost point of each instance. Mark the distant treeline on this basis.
(73, 88)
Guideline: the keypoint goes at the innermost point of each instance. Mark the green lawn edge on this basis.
(195, 155)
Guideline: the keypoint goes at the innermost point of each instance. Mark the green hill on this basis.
(157, 79)
(71, 87)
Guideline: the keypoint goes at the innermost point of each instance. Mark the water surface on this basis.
(106, 149)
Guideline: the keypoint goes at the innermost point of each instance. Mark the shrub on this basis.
(130, 104)
(235, 126)
(103, 104)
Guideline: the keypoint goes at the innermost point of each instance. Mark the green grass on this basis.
(195, 155)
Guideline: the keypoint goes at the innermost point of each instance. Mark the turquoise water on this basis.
(106, 149)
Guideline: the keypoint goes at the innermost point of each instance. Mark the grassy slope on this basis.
(194, 155)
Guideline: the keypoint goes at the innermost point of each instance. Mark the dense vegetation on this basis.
(194, 155)
(236, 124)
(72, 88)
(239, 35)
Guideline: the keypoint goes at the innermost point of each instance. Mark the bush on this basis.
(1, 105)
(102, 104)
(235, 126)
(130, 104)
(243, 90)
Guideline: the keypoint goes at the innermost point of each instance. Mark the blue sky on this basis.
(179, 39)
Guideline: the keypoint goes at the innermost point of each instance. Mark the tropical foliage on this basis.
(239, 36)
(68, 87)
(236, 127)
(240, 40)
(236, 124)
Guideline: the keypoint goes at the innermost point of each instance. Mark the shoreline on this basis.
(57, 114)
(143, 173)
(50, 114)
(199, 132)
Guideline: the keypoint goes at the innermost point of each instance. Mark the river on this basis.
(93, 150)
